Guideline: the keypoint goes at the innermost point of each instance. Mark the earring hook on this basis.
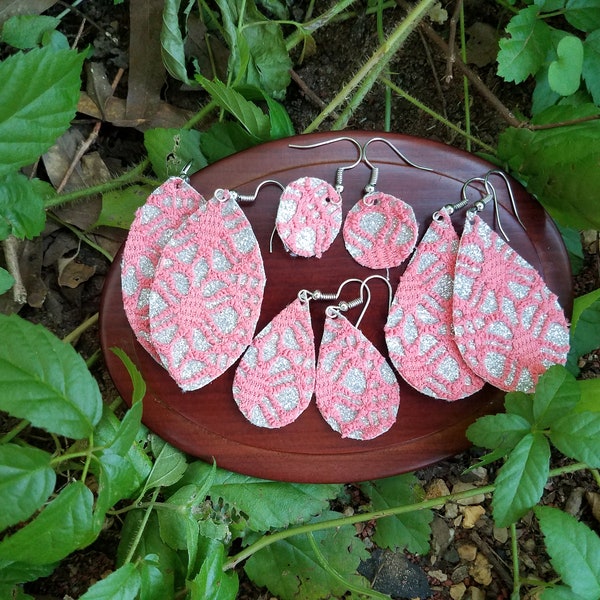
(307, 295)
(339, 174)
(370, 187)
(510, 192)
(335, 311)
(223, 195)
(480, 204)
(365, 284)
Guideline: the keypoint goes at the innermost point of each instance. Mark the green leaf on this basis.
(590, 395)
(520, 403)
(27, 31)
(289, 568)
(585, 331)
(410, 531)
(564, 73)
(560, 592)
(224, 139)
(122, 584)
(524, 52)
(170, 150)
(577, 436)
(171, 42)
(556, 394)
(581, 304)
(247, 113)
(266, 504)
(169, 465)
(6, 281)
(572, 240)
(157, 581)
(22, 206)
(46, 381)
(583, 14)
(26, 482)
(498, 431)
(520, 481)
(574, 551)
(558, 165)
(62, 527)
(38, 99)
(118, 207)
(591, 64)
(13, 592)
(212, 583)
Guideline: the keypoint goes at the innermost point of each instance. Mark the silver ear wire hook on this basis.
(339, 174)
(370, 187)
(480, 204)
(510, 192)
(185, 170)
(335, 311)
(365, 284)
(307, 295)
(222, 195)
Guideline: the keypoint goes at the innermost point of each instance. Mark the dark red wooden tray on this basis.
(206, 423)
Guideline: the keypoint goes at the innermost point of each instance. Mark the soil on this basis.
(476, 557)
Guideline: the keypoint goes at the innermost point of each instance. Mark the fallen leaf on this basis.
(71, 273)
(482, 45)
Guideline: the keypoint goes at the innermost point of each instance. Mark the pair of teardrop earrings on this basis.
(471, 310)
(356, 390)
(380, 230)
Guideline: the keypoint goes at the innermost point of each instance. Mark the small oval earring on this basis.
(380, 231)
(309, 216)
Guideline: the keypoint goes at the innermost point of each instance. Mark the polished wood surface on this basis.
(206, 423)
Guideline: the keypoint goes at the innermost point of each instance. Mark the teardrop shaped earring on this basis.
(508, 325)
(309, 215)
(167, 207)
(418, 331)
(275, 378)
(207, 291)
(356, 390)
(380, 230)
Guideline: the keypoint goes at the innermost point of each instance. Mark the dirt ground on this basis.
(468, 557)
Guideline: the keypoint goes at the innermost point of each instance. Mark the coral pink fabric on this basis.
(275, 379)
(508, 325)
(309, 216)
(164, 211)
(418, 330)
(356, 390)
(380, 231)
(207, 293)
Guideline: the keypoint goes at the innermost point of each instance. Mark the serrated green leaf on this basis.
(590, 395)
(572, 240)
(556, 394)
(118, 207)
(22, 206)
(38, 99)
(27, 31)
(289, 568)
(583, 14)
(550, 5)
(410, 531)
(574, 551)
(171, 42)
(212, 583)
(224, 139)
(558, 164)
(520, 481)
(157, 582)
(45, 381)
(520, 403)
(122, 584)
(591, 64)
(13, 592)
(247, 113)
(12, 572)
(63, 526)
(169, 465)
(524, 52)
(564, 73)
(266, 504)
(170, 150)
(578, 436)
(560, 592)
(26, 482)
(6, 281)
(582, 303)
(498, 431)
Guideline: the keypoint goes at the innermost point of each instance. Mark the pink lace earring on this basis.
(275, 378)
(167, 207)
(207, 291)
(419, 331)
(380, 230)
(509, 327)
(356, 390)
(309, 215)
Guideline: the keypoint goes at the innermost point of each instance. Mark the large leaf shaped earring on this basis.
(356, 390)
(380, 230)
(419, 332)
(309, 215)
(167, 207)
(508, 325)
(207, 291)
(275, 379)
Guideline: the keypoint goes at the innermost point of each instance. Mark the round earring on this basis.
(309, 215)
(380, 230)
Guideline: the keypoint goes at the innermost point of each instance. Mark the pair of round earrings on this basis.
(380, 231)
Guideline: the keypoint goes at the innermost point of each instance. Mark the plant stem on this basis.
(267, 540)
(90, 322)
(371, 70)
(138, 536)
(463, 55)
(14, 432)
(515, 560)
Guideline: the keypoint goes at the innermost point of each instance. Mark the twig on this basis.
(11, 255)
(451, 57)
(308, 92)
(436, 81)
(491, 556)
